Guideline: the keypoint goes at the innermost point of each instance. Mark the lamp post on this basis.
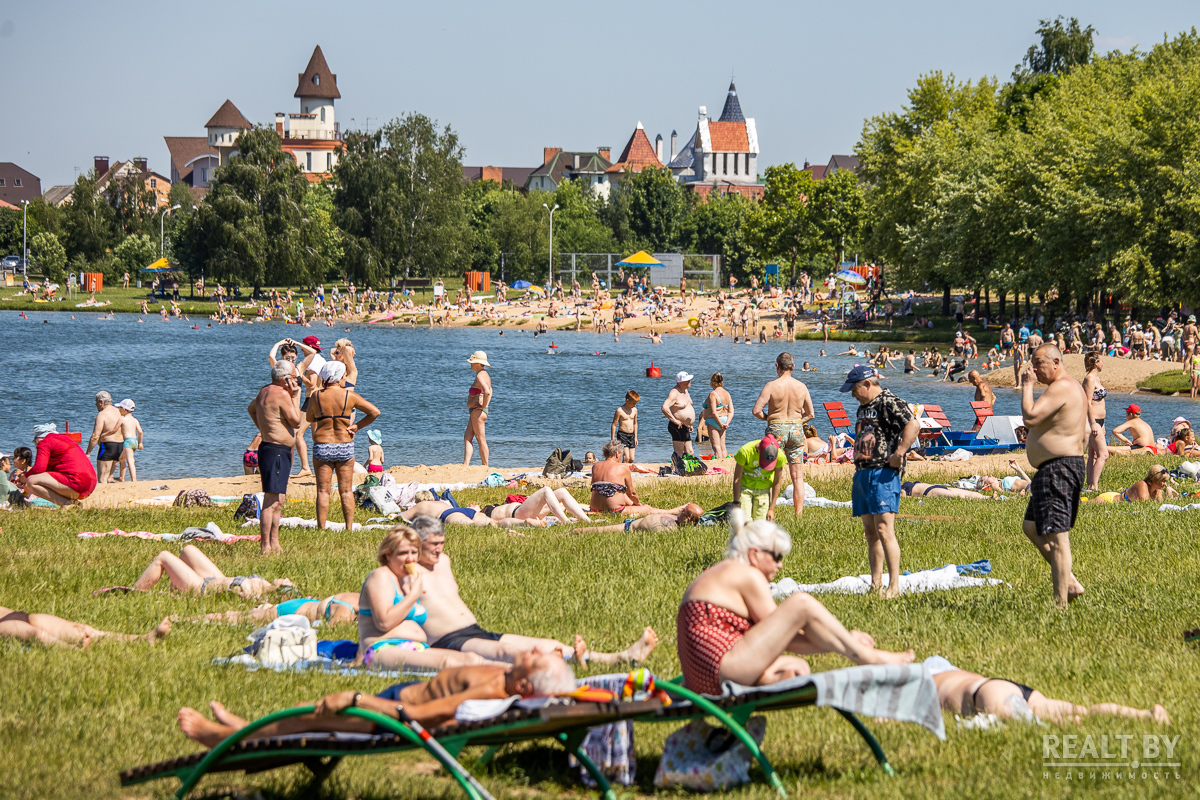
(552, 210)
(24, 245)
(162, 221)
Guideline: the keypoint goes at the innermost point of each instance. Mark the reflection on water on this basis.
(192, 387)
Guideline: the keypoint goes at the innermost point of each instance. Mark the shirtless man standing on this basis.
(785, 405)
(302, 357)
(276, 414)
(625, 426)
(680, 414)
(450, 625)
(1057, 441)
(983, 389)
(107, 433)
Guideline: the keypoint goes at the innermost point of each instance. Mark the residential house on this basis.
(721, 155)
(817, 170)
(17, 184)
(841, 162)
(637, 156)
(515, 177)
(194, 159)
(156, 184)
(560, 165)
(313, 136)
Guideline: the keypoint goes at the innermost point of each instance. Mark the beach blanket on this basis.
(331, 666)
(301, 522)
(810, 498)
(1173, 507)
(189, 534)
(951, 576)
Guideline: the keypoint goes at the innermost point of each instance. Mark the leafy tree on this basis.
(135, 253)
(134, 206)
(718, 226)
(656, 208)
(577, 225)
(322, 240)
(1062, 48)
(839, 209)
(88, 221)
(48, 255)
(784, 225)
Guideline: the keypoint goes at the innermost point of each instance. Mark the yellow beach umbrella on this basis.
(640, 259)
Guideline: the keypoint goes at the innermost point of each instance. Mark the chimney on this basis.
(491, 174)
(806, 164)
(703, 112)
(575, 161)
(674, 147)
(140, 164)
(549, 153)
(605, 153)
(101, 165)
(279, 123)
(658, 147)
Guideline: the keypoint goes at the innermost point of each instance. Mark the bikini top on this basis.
(324, 416)
(1099, 394)
(607, 489)
(474, 390)
(417, 613)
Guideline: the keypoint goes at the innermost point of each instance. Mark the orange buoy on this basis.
(653, 371)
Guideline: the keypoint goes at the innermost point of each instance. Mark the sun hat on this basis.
(859, 373)
(313, 342)
(478, 357)
(683, 376)
(44, 430)
(127, 404)
(1178, 420)
(768, 452)
(1133, 408)
(375, 435)
(1192, 318)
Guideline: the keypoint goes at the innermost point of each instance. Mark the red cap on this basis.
(313, 342)
(1133, 408)
(764, 461)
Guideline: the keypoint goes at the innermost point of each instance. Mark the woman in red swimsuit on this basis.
(61, 473)
(729, 628)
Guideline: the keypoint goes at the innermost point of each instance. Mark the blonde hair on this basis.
(340, 343)
(423, 496)
(392, 540)
(757, 534)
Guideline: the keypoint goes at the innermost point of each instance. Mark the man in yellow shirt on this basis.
(758, 477)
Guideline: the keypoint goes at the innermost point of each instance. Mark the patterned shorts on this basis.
(790, 433)
(1054, 494)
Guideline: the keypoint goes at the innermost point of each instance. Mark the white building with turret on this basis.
(722, 155)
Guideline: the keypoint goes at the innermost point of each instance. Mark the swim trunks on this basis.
(275, 467)
(374, 467)
(628, 523)
(131, 443)
(109, 451)
(679, 433)
(626, 439)
(790, 434)
(456, 639)
(1054, 494)
(333, 452)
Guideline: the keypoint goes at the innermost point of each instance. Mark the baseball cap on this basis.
(127, 404)
(683, 376)
(768, 452)
(860, 373)
(313, 342)
(1133, 408)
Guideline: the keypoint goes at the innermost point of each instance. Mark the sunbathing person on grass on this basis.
(49, 629)
(192, 571)
(968, 693)
(532, 511)
(1155, 486)
(333, 610)
(613, 490)
(730, 629)
(652, 523)
(533, 674)
(449, 624)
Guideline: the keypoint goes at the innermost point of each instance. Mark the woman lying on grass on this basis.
(730, 629)
(49, 629)
(333, 610)
(192, 571)
(1152, 487)
(532, 511)
(968, 693)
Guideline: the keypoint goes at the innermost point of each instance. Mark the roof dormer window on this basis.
(316, 79)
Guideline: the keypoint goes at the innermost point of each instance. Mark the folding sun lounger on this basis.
(902, 693)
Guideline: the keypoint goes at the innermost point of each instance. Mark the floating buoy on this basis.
(694, 323)
(195, 327)
(553, 346)
(653, 371)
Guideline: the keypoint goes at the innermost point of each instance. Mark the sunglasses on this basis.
(777, 556)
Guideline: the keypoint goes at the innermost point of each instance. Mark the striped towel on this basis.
(906, 693)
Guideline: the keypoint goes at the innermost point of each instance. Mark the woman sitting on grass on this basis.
(192, 571)
(730, 629)
(49, 629)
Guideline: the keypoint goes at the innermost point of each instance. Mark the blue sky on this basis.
(84, 79)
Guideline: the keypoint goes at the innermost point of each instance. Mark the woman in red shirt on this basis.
(61, 473)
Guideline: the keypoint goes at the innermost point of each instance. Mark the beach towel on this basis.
(332, 666)
(810, 498)
(611, 746)
(948, 577)
(1173, 507)
(301, 522)
(209, 535)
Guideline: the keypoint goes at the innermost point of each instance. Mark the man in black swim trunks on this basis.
(276, 414)
(450, 624)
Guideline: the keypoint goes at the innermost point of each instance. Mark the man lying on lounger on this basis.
(449, 624)
(968, 693)
(532, 674)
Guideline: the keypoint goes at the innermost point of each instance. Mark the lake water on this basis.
(192, 387)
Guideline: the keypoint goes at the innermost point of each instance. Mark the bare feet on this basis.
(641, 649)
(892, 592)
(580, 650)
(864, 638)
(197, 728)
(888, 657)
(1075, 590)
(1160, 715)
(223, 716)
(161, 632)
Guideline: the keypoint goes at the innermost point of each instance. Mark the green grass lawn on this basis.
(1169, 382)
(71, 719)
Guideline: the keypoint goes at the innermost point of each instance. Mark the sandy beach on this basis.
(1117, 374)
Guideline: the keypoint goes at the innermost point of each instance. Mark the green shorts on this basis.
(755, 502)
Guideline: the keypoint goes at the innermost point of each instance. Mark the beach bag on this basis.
(288, 639)
(718, 516)
(687, 464)
(702, 758)
(248, 509)
(381, 497)
(191, 498)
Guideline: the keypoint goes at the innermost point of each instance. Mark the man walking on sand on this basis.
(276, 414)
(785, 405)
(1057, 441)
(884, 431)
(106, 433)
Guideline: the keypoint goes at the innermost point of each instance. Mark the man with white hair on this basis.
(680, 413)
(884, 431)
(61, 473)
(276, 414)
(106, 433)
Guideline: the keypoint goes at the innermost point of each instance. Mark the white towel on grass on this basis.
(301, 522)
(927, 580)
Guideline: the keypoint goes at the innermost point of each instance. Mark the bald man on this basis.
(1058, 432)
(983, 389)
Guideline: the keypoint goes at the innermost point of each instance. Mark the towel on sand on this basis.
(927, 580)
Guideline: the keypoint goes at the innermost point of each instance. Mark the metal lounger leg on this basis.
(606, 790)
(871, 741)
(320, 770)
(487, 756)
(708, 707)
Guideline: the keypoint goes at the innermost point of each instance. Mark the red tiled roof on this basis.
(228, 116)
(817, 170)
(638, 153)
(325, 83)
(729, 137)
(3, 204)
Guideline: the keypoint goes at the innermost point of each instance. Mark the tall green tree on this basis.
(656, 209)
(48, 255)
(1064, 45)
(784, 225)
(88, 220)
(717, 226)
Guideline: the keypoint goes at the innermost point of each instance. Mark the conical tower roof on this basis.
(228, 116)
(733, 109)
(316, 80)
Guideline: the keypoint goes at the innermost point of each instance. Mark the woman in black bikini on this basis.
(1097, 452)
(331, 412)
(918, 489)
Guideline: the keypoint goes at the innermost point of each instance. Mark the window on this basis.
(309, 165)
(204, 175)
(154, 183)
(1, 181)
(317, 80)
(328, 161)
(725, 164)
(322, 113)
(747, 163)
(735, 163)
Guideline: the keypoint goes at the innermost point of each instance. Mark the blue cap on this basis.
(860, 373)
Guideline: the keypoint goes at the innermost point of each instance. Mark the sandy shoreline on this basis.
(1117, 374)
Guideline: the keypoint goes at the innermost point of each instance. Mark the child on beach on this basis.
(625, 426)
(375, 451)
(131, 432)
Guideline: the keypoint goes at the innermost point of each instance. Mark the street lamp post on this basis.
(24, 244)
(162, 221)
(552, 210)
